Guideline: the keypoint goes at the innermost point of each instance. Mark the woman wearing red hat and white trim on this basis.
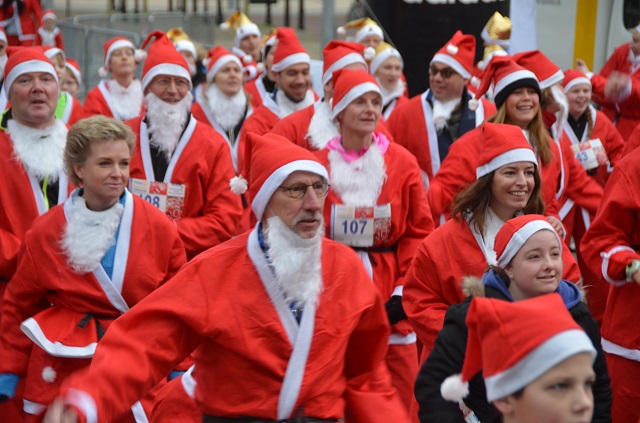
(72, 78)
(49, 34)
(69, 109)
(377, 205)
(120, 96)
(507, 185)
(387, 68)
(528, 265)
(262, 86)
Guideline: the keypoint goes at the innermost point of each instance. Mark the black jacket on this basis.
(447, 357)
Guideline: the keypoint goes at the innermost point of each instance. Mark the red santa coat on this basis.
(26, 22)
(434, 280)
(412, 127)
(256, 91)
(625, 114)
(459, 170)
(44, 277)
(98, 102)
(394, 104)
(202, 162)
(49, 38)
(336, 351)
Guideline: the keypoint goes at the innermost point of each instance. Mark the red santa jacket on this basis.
(49, 38)
(27, 20)
(98, 102)
(336, 351)
(256, 91)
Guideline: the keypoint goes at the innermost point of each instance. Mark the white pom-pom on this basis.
(473, 104)
(224, 26)
(369, 53)
(475, 81)
(454, 389)
(103, 72)
(482, 64)
(238, 185)
(260, 67)
(341, 30)
(451, 49)
(48, 374)
(247, 59)
(140, 55)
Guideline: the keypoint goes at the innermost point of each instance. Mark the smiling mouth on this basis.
(519, 193)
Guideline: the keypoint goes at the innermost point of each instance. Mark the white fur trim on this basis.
(27, 67)
(83, 402)
(292, 59)
(511, 78)
(285, 106)
(452, 63)
(50, 53)
(577, 81)
(606, 257)
(321, 127)
(352, 94)
(341, 63)
(511, 156)
(170, 69)
(211, 73)
(34, 408)
(116, 46)
(486, 37)
(520, 237)
(186, 45)
(245, 30)
(384, 55)
(189, 383)
(238, 185)
(34, 332)
(368, 30)
(454, 389)
(552, 80)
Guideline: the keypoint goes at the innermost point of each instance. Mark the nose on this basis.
(116, 172)
(521, 179)
(584, 400)
(311, 201)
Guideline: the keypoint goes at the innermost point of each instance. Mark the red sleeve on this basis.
(613, 142)
(580, 187)
(632, 142)
(9, 247)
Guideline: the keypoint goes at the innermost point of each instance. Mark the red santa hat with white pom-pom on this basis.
(163, 59)
(459, 54)
(348, 85)
(116, 44)
(513, 235)
(502, 145)
(289, 51)
(217, 58)
(506, 76)
(547, 72)
(269, 160)
(339, 54)
(514, 343)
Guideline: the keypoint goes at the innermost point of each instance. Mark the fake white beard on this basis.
(358, 183)
(321, 127)
(126, 101)
(390, 95)
(166, 122)
(228, 111)
(39, 150)
(563, 114)
(442, 112)
(296, 261)
(286, 106)
(89, 235)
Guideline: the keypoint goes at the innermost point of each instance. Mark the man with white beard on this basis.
(291, 68)
(428, 124)
(313, 127)
(180, 165)
(285, 324)
(32, 140)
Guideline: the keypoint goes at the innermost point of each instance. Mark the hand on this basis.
(616, 86)
(581, 65)
(557, 225)
(57, 413)
(636, 277)
(395, 311)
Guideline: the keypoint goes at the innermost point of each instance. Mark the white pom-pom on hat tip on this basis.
(454, 389)
(473, 104)
(341, 30)
(451, 49)
(475, 81)
(139, 55)
(224, 26)
(247, 59)
(103, 72)
(369, 53)
(260, 67)
(238, 185)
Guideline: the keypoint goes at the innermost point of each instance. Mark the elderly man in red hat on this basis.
(180, 165)
(304, 342)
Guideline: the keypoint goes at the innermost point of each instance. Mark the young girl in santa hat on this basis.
(528, 265)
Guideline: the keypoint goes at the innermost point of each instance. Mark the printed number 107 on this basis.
(354, 226)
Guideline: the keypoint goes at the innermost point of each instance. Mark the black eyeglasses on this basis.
(299, 189)
(446, 73)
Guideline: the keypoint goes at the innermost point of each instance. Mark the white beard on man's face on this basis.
(563, 113)
(442, 112)
(166, 122)
(228, 111)
(296, 261)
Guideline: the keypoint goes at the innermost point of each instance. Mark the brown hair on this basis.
(473, 201)
(87, 132)
(589, 122)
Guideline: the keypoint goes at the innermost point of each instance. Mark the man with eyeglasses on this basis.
(181, 165)
(428, 124)
(285, 323)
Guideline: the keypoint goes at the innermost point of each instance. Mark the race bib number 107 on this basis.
(169, 198)
(360, 226)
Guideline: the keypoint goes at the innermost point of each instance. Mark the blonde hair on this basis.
(87, 132)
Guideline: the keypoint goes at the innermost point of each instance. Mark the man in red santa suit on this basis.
(428, 124)
(304, 342)
(246, 44)
(291, 68)
(314, 126)
(32, 177)
(120, 96)
(180, 165)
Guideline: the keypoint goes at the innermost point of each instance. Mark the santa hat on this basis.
(74, 67)
(186, 45)
(218, 57)
(545, 70)
(48, 14)
(514, 343)
(383, 52)
(513, 235)
(573, 77)
(348, 85)
(50, 52)
(114, 44)
(364, 27)
(268, 42)
(163, 59)
(242, 25)
(635, 29)
(338, 54)
(506, 76)
(489, 53)
(3, 36)
(269, 160)
(459, 54)
(501, 145)
(289, 52)
(23, 60)
(497, 30)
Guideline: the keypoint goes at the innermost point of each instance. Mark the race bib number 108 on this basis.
(169, 198)
(360, 226)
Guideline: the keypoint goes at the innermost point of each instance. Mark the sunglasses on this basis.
(446, 73)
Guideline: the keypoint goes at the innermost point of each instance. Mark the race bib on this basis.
(591, 154)
(360, 226)
(169, 198)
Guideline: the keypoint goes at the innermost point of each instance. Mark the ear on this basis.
(276, 78)
(77, 169)
(509, 271)
(506, 406)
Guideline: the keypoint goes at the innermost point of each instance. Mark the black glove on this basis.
(395, 311)
(4, 398)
